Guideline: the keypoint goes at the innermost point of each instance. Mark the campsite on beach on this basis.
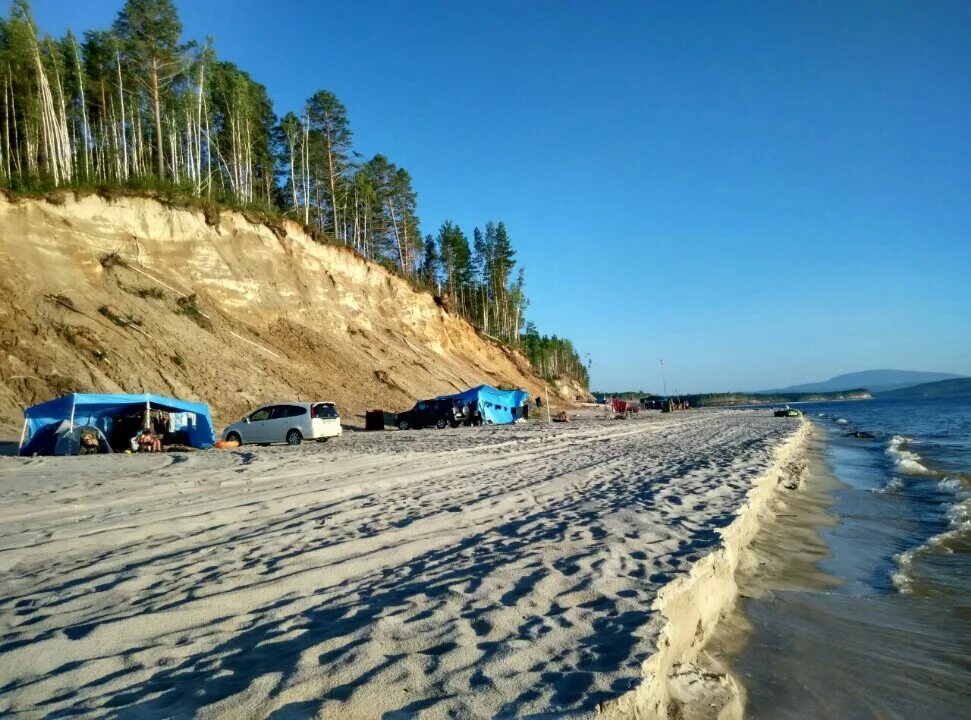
(91, 424)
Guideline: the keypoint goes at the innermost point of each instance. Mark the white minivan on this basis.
(291, 423)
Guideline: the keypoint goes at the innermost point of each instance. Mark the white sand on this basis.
(459, 573)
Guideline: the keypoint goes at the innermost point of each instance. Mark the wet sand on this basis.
(802, 643)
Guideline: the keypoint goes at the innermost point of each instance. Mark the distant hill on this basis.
(960, 387)
(873, 380)
(739, 398)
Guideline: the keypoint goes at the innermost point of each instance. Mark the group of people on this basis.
(145, 440)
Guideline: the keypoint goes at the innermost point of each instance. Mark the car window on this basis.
(325, 411)
(288, 411)
(261, 414)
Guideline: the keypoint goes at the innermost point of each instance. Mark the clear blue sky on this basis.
(761, 193)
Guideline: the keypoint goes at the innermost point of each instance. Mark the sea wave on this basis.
(907, 461)
(894, 484)
(902, 579)
(959, 525)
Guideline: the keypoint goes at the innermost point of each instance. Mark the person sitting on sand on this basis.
(146, 441)
(88, 444)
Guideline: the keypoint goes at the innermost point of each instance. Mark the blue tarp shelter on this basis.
(498, 407)
(97, 411)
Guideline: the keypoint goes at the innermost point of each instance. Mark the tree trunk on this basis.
(198, 158)
(6, 126)
(84, 109)
(306, 171)
(397, 238)
(124, 132)
(293, 170)
(333, 191)
(156, 106)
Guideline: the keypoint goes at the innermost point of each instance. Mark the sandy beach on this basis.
(489, 572)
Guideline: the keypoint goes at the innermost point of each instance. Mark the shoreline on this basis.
(783, 556)
(818, 597)
(684, 676)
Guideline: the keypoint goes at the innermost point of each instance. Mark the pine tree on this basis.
(328, 122)
(456, 263)
(429, 263)
(149, 31)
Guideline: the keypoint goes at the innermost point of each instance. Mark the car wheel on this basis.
(442, 424)
(294, 437)
(403, 425)
(234, 437)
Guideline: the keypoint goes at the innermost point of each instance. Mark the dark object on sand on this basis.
(861, 434)
(788, 412)
(374, 420)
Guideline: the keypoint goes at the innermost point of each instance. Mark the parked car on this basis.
(291, 423)
(433, 413)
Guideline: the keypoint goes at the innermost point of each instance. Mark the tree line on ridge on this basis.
(136, 106)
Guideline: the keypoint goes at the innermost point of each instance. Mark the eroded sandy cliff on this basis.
(132, 296)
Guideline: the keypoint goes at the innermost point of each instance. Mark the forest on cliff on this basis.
(138, 107)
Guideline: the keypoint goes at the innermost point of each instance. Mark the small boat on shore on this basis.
(788, 412)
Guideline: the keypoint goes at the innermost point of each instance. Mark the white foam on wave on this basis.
(959, 521)
(841, 421)
(907, 461)
(894, 484)
(902, 579)
(950, 485)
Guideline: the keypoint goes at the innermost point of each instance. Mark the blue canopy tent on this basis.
(98, 411)
(497, 407)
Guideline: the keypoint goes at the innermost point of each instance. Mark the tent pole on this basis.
(74, 402)
(148, 413)
(23, 434)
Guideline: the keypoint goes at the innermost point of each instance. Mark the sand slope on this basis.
(491, 572)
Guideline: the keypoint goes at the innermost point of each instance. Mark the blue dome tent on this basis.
(98, 411)
(497, 407)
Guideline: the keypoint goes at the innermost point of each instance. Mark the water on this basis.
(893, 638)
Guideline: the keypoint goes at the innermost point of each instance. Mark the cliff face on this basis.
(133, 296)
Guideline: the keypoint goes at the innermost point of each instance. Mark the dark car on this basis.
(433, 413)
